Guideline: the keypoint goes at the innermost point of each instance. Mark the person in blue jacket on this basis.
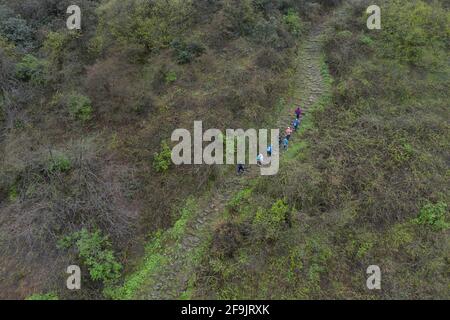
(285, 143)
(240, 168)
(296, 124)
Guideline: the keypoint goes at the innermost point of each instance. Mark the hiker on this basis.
(285, 143)
(296, 124)
(269, 150)
(298, 112)
(280, 140)
(288, 133)
(240, 168)
(260, 160)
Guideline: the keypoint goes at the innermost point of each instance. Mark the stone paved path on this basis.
(173, 279)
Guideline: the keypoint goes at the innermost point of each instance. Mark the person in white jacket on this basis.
(260, 160)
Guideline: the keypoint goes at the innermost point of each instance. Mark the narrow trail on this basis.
(172, 280)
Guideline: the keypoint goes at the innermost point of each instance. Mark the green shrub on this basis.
(95, 251)
(265, 32)
(366, 40)
(170, 77)
(279, 211)
(401, 152)
(416, 32)
(59, 163)
(434, 215)
(15, 29)
(186, 52)
(152, 25)
(7, 46)
(238, 199)
(293, 22)
(364, 247)
(179, 228)
(184, 57)
(80, 107)
(54, 45)
(269, 222)
(344, 34)
(13, 193)
(318, 254)
(31, 69)
(43, 296)
(19, 124)
(163, 159)
(240, 17)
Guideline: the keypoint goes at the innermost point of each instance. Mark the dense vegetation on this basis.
(368, 184)
(86, 118)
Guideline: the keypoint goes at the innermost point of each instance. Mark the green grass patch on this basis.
(239, 198)
(153, 259)
(296, 150)
(43, 296)
(179, 228)
(155, 256)
(434, 215)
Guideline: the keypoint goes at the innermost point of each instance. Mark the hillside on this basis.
(86, 177)
(367, 182)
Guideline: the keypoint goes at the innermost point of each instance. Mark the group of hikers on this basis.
(283, 140)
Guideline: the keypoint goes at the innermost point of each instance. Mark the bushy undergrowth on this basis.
(31, 69)
(155, 256)
(80, 107)
(162, 159)
(95, 252)
(434, 215)
(369, 183)
(268, 223)
(137, 71)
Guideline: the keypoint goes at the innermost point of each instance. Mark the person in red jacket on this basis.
(288, 133)
(298, 112)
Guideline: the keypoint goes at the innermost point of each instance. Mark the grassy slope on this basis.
(371, 187)
(249, 259)
(138, 97)
(158, 276)
(369, 164)
(171, 247)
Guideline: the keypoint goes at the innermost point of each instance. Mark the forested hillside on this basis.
(86, 176)
(85, 117)
(368, 182)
